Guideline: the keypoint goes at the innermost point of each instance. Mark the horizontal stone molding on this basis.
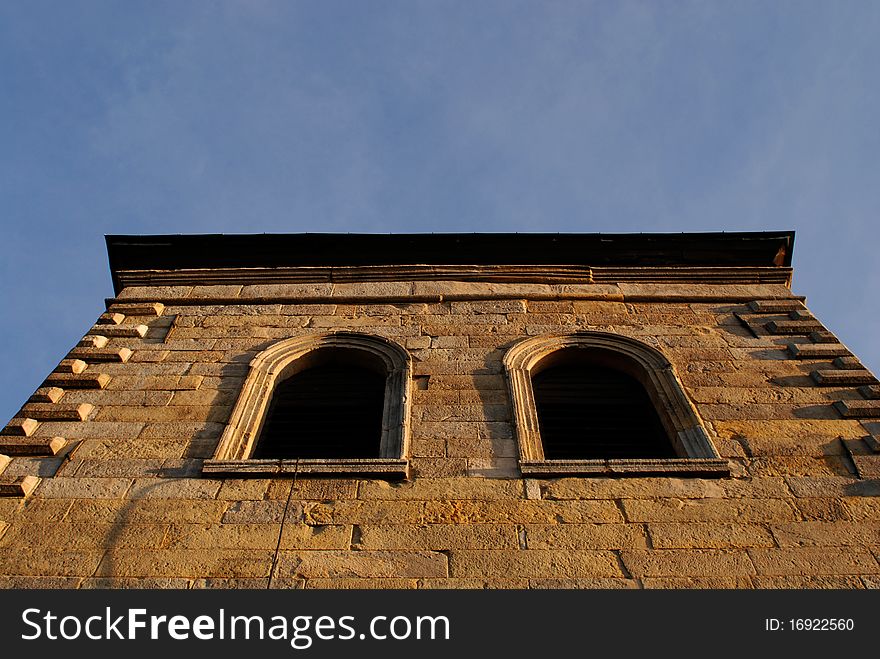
(390, 468)
(484, 273)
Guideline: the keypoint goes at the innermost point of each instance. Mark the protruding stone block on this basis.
(775, 306)
(870, 391)
(21, 427)
(47, 395)
(31, 445)
(823, 336)
(849, 362)
(817, 351)
(4, 462)
(78, 381)
(93, 341)
(96, 355)
(110, 318)
(138, 309)
(124, 331)
(56, 412)
(793, 326)
(858, 409)
(71, 366)
(832, 378)
(801, 314)
(21, 486)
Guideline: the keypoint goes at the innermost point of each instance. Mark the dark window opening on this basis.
(590, 411)
(327, 411)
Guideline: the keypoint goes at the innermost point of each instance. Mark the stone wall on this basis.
(104, 485)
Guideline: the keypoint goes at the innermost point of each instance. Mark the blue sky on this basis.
(379, 116)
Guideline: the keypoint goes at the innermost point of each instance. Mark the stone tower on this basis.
(448, 411)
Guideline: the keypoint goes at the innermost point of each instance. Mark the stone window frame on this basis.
(288, 357)
(697, 455)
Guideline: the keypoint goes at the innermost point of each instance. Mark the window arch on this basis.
(287, 420)
(600, 403)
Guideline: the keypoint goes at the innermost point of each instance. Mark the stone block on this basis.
(261, 512)
(47, 562)
(31, 445)
(432, 489)
(77, 381)
(110, 318)
(93, 341)
(46, 395)
(708, 536)
(858, 409)
(85, 488)
(585, 536)
(174, 488)
(687, 563)
(827, 534)
(439, 537)
(520, 512)
(124, 331)
(809, 582)
(138, 309)
(776, 306)
(709, 510)
(57, 411)
(192, 563)
(507, 564)
(843, 377)
(363, 513)
(360, 564)
(20, 427)
(18, 486)
(346, 583)
(98, 355)
(813, 561)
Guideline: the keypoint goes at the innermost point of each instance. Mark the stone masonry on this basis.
(103, 485)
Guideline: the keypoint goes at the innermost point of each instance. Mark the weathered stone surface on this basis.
(192, 563)
(708, 536)
(506, 564)
(436, 537)
(361, 564)
(813, 561)
(695, 563)
(709, 510)
(584, 536)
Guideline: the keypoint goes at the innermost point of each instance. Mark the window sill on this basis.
(694, 467)
(386, 468)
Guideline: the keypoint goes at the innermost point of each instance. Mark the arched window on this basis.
(599, 403)
(321, 404)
